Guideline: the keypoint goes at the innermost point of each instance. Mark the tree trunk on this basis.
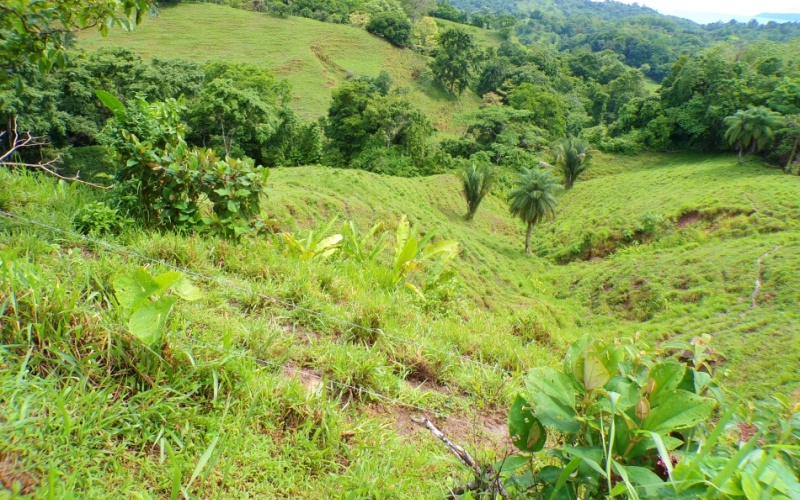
(528, 238)
(792, 155)
(740, 154)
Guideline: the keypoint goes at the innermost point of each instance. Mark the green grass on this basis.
(262, 426)
(694, 275)
(315, 57)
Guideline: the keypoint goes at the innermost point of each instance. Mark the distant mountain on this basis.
(792, 18)
(707, 17)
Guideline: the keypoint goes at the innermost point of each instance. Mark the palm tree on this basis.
(477, 182)
(752, 129)
(533, 199)
(572, 156)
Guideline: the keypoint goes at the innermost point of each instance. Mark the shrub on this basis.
(623, 421)
(178, 186)
(99, 218)
(393, 26)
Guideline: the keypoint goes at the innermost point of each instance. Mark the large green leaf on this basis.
(446, 250)
(526, 432)
(149, 321)
(328, 242)
(110, 101)
(628, 391)
(591, 459)
(595, 374)
(772, 472)
(133, 289)
(186, 290)
(575, 352)
(401, 236)
(679, 410)
(666, 377)
(553, 398)
(406, 255)
(166, 280)
(647, 479)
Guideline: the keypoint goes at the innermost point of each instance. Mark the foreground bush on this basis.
(619, 420)
(175, 185)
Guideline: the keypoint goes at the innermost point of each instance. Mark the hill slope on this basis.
(313, 56)
(713, 220)
(292, 377)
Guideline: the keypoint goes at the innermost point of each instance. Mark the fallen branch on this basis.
(467, 460)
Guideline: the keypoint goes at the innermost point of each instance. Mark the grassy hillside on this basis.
(693, 275)
(313, 56)
(293, 378)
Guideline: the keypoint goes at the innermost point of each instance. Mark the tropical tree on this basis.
(572, 157)
(534, 199)
(477, 181)
(752, 129)
(456, 60)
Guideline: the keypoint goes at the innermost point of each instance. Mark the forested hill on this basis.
(605, 10)
(644, 37)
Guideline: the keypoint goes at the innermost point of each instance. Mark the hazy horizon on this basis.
(706, 11)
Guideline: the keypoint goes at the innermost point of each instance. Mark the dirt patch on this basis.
(311, 382)
(688, 218)
(12, 474)
(304, 335)
(292, 66)
(482, 431)
(421, 373)
(488, 430)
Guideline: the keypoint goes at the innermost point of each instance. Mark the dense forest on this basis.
(575, 68)
(209, 290)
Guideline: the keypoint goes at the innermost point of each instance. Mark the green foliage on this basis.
(548, 109)
(455, 60)
(98, 218)
(572, 157)
(372, 128)
(533, 199)
(178, 186)
(752, 129)
(425, 35)
(631, 423)
(363, 247)
(39, 32)
(146, 301)
(242, 110)
(316, 245)
(411, 251)
(393, 26)
(477, 182)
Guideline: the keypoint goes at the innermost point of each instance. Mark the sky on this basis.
(733, 7)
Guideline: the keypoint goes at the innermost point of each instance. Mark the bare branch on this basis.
(466, 459)
(29, 141)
